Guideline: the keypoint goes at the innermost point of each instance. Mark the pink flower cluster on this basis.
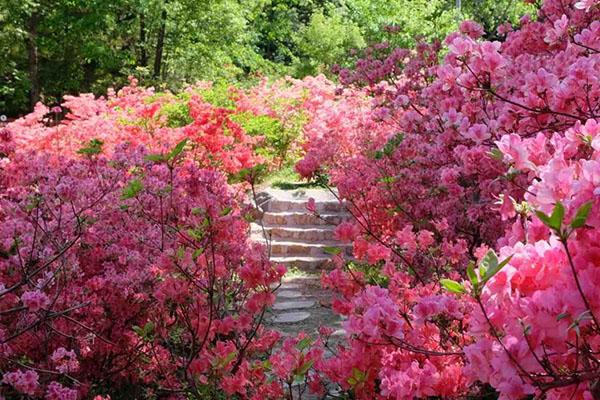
(25, 382)
(442, 162)
(124, 260)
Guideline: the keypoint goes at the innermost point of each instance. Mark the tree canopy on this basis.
(53, 47)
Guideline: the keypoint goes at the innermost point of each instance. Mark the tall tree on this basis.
(160, 41)
(33, 58)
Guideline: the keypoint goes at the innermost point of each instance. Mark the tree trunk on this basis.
(160, 42)
(33, 59)
(143, 53)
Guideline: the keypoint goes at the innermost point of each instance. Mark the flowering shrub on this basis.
(123, 265)
(280, 110)
(470, 170)
(138, 116)
(447, 164)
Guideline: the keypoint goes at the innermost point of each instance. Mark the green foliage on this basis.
(178, 114)
(581, 216)
(555, 221)
(90, 45)
(94, 147)
(219, 94)
(390, 146)
(325, 41)
(371, 272)
(452, 286)
(132, 189)
(278, 139)
(488, 268)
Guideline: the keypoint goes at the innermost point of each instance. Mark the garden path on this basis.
(302, 242)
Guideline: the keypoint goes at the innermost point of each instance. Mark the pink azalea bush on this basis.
(124, 264)
(449, 162)
(471, 171)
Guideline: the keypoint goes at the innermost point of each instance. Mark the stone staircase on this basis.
(300, 240)
(296, 237)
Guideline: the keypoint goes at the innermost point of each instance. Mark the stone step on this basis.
(303, 218)
(291, 317)
(289, 294)
(305, 263)
(327, 206)
(293, 305)
(298, 248)
(307, 233)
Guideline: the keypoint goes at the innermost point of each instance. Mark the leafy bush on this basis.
(123, 268)
(442, 168)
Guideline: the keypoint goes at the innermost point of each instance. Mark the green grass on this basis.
(288, 179)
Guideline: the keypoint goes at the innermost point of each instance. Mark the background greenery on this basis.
(53, 47)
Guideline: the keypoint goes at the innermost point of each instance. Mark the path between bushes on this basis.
(300, 240)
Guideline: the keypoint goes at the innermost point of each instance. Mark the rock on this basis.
(291, 317)
(289, 294)
(339, 332)
(289, 285)
(293, 305)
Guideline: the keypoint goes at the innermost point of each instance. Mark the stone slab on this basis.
(293, 305)
(289, 285)
(291, 317)
(289, 294)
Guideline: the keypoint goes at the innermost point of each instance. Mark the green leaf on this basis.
(543, 217)
(357, 377)
(133, 188)
(223, 362)
(197, 211)
(388, 179)
(148, 328)
(304, 368)
(496, 154)
(562, 316)
(452, 286)
(195, 234)
(304, 343)
(558, 214)
(177, 150)
(581, 216)
(472, 275)
(358, 374)
(555, 220)
(493, 271)
(145, 332)
(155, 157)
(197, 253)
(226, 211)
(490, 261)
(332, 250)
(94, 147)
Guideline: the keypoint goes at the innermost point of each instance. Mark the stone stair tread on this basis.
(257, 227)
(298, 242)
(300, 258)
(293, 305)
(299, 194)
(324, 214)
(292, 218)
(303, 201)
(289, 294)
(291, 317)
